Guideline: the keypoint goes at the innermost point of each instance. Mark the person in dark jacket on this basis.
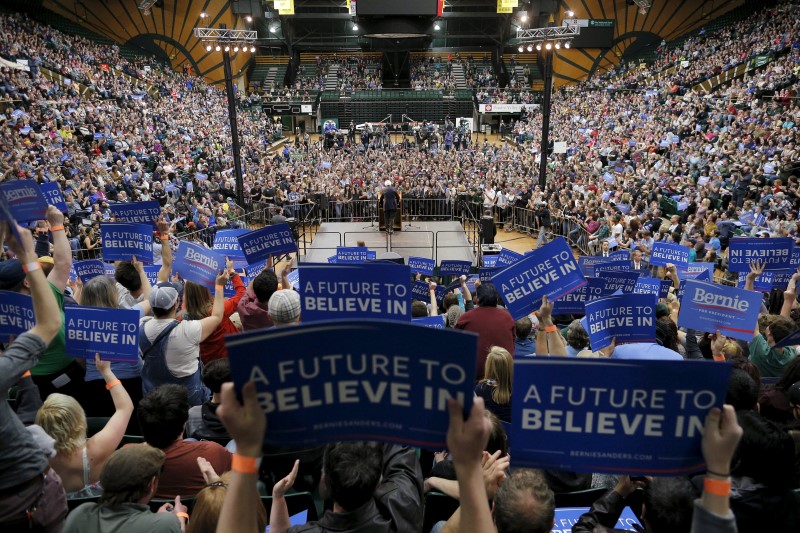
(203, 423)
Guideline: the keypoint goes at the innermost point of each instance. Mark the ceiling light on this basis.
(570, 13)
(355, 27)
(530, 48)
(208, 48)
(227, 48)
(539, 46)
(217, 48)
(523, 16)
(253, 49)
(203, 15)
(521, 48)
(548, 46)
(558, 46)
(248, 18)
(566, 44)
(643, 10)
(437, 27)
(272, 29)
(235, 49)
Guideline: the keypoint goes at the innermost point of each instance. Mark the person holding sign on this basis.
(494, 325)
(171, 349)
(79, 461)
(31, 493)
(199, 305)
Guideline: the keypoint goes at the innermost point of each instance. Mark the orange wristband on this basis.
(183, 515)
(550, 329)
(27, 374)
(164, 237)
(219, 287)
(244, 464)
(717, 487)
(718, 357)
(56, 228)
(30, 267)
(111, 384)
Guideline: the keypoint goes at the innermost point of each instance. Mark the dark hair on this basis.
(765, 453)
(216, 373)
(790, 374)
(667, 333)
(523, 327)
(265, 285)
(747, 365)
(498, 438)
(352, 472)
(524, 503)
(162, 414)
(781, 327)
(126, 275)
(449, 299)
(577, 336)
(742, 390)
(669, 503)
(418, 309)
(487, 295)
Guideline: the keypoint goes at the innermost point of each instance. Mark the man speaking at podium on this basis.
(389, 202)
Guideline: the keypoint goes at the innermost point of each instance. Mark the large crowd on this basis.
(643, 161)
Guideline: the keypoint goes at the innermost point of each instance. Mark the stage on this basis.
(432, 240)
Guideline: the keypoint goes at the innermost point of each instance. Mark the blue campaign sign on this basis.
(648, 286)
(16, 314)
(613, 416)
(230, 290)
(294, 278)
(620, 255)
(435, 322)
(52, 195)
(354, 254)
(367, 380)
(588, 263)
(781, 278)
(420, 291)
(355, 290)
(618, 281)
(113, 333)
(152, 273)
(575, 302)
(549, 271)
(485, 274)
(251, 271)
(666, 285)
(198, 264)
(137, 212)
(24, 200)
(775, 252)
(332, 260)
(669, 252)
(762, 283)
(121, 241)
(490, 261)
(454, 268)
(269, 240)
(792, 339)
(698, 271)
(613, 266)
(226, 242)
(711, 307)
(507, 258)
(626, 318)
(566, 517)
(421, 265)
(89, 269)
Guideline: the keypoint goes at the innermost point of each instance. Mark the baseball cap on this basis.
(794, 394)
(163, 297)
(284, 306)
(387, 183)
(11, 274)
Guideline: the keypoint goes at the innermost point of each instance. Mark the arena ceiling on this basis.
(326, 25)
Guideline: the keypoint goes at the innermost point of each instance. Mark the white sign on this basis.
(505, 108)
(305, 108)
(560, 147)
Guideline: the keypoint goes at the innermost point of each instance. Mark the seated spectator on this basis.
(130, 480)
(495, 387)
(199, 305)
(494, 325)
(79, 461)
(170, 348)
(524, 346)
(770, 360)
(773, 401)
(209, 501)
(31, 492)
(577, 338)
(163, 413)
(284, 308)
(203, 423)
(252, 306)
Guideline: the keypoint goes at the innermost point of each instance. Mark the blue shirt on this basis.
(524, 348)
(645, 351)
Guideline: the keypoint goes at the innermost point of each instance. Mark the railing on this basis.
(568, 227)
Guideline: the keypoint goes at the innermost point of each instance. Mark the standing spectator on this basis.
(495, 387)
(252, 306)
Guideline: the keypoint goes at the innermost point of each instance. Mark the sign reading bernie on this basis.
(549, 271)
(613, 416)
(711, 307)
(356, 380)
(355, 290)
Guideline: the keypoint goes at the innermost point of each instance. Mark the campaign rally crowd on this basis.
(165, 443)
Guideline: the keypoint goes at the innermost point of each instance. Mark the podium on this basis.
(397, 224)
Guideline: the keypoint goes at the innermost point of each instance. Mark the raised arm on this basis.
(166, 252)
(465, 289)
(210, 323)
(756, 269)
(547, 335)
(434, 305)
(279, 520)
(103, 444)
(62, 252)
(790, 295)
(146, 288)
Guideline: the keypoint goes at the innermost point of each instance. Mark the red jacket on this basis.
(494, 327)
(214, 346)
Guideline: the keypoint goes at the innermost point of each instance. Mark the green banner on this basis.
(601, 23)
(759, 61)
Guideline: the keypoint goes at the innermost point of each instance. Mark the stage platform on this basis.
(432, 240)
